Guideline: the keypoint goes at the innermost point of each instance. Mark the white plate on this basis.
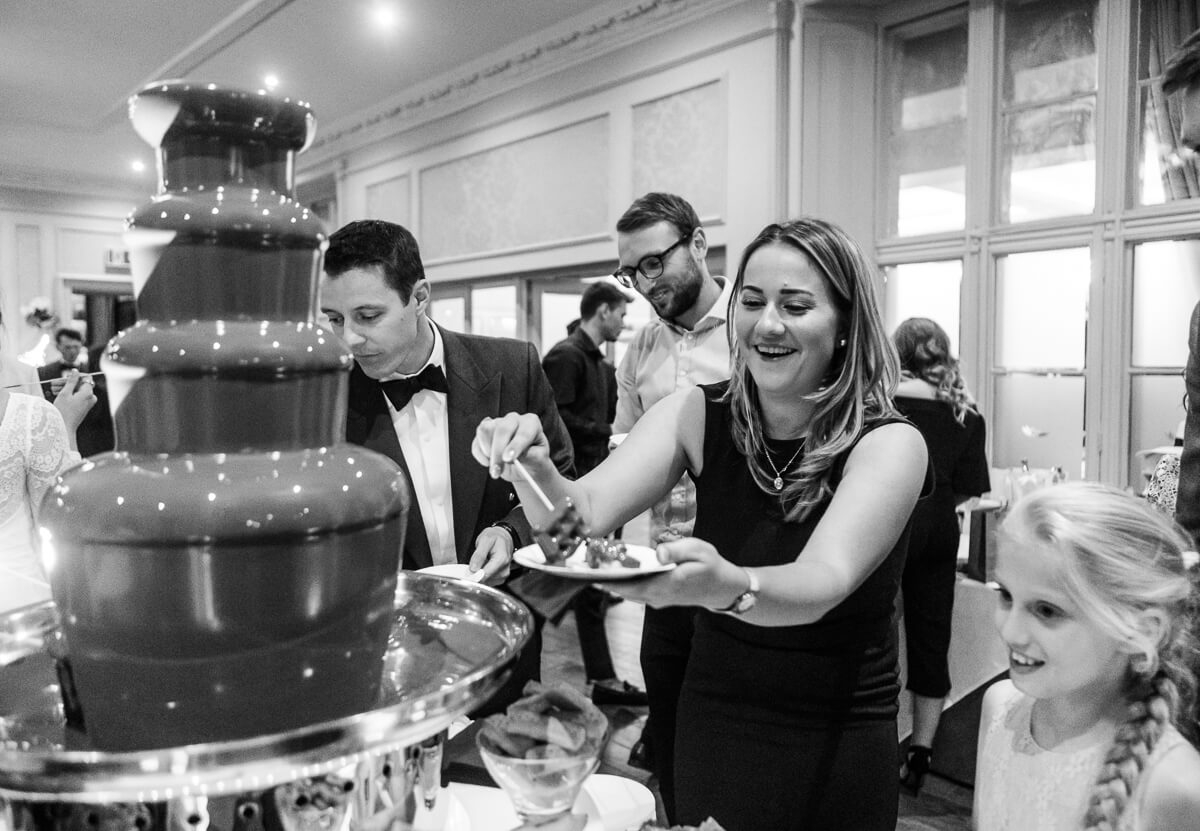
(576, 567)
(459, 571)
(610, 803)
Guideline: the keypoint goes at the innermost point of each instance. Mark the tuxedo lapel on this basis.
(474, 394)
(369, 423)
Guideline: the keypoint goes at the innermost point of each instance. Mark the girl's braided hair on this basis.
(1123, 563)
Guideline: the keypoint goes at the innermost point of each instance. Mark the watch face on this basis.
(745, 603)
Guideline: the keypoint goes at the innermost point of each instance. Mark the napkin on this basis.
(546, 594)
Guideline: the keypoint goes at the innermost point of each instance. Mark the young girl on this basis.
(1096, 609)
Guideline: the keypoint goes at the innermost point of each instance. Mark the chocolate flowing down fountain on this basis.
(230, 643)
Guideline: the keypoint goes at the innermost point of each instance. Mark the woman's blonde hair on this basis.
(924, 351)
(1121, 559)
(861, 380)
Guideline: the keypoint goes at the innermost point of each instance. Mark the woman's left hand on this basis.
(701, 577)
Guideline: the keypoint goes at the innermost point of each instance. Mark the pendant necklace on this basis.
(778, 483)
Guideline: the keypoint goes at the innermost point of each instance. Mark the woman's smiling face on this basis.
(785, 321)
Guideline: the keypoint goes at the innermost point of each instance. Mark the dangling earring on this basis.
(842, 343)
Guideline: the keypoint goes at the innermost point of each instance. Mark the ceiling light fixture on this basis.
(138, 165)
(271, 80)
(384, 14)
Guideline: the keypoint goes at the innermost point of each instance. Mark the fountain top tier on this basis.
(210, 135)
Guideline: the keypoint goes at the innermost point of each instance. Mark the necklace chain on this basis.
(778, 482)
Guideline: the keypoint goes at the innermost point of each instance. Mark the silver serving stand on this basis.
(450, 648)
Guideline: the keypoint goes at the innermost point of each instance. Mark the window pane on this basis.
(1047, 110)
(494, 311)
(924, 290)
(1155, 414)
(449, 312)
(558, 309)
(1039, 419)
(926, 88)
(1166, 285)
(1042, 309)
(1166, 174)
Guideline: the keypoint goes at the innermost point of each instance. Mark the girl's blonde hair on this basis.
(860, 383)
(1121, 559)
(924, 350)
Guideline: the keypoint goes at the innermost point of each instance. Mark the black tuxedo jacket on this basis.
(54, 370)
(486, 377)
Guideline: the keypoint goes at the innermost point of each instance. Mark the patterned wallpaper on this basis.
(679, 146)
(548, 187)
(390, 200)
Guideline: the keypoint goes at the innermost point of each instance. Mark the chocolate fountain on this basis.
(229, 644)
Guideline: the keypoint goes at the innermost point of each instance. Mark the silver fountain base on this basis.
(450, 646)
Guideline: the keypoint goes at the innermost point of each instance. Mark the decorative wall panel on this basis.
(548, 187)
(679, 146)
(82, 252)
(29, 261)
(390, 200)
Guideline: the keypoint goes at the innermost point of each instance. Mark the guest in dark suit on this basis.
(1183, 75)
(95, 433)
(70, 347)
(417, 393)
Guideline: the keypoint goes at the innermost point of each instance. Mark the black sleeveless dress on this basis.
(785, 727)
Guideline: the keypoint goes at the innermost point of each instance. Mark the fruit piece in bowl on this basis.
(542, 749)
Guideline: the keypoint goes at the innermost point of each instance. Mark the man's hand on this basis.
(493, 554)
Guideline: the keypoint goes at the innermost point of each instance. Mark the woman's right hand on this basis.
(75, 399)
(514, 436)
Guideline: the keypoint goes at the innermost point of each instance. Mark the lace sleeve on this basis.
(49, 452)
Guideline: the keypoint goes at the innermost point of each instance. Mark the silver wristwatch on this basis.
(746, 600)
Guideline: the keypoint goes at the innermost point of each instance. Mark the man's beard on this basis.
(682, 296)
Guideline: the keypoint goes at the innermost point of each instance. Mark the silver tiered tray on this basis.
(450, 645)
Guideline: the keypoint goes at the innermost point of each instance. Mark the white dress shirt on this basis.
(665, 357)
(424, 436)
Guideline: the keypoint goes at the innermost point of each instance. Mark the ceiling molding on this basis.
(72, 183)
(546, 53)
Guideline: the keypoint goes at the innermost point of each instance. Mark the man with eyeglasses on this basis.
(662, 251)
(1182, 74)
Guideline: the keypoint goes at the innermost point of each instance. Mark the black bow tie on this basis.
(401, 390)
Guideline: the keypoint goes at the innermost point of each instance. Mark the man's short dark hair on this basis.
(654, 208)
(65, 332)
(1183, 69)
(598, 294)
(374, 242)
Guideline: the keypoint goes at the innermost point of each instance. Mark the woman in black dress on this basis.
(806, 478)
(933, 397)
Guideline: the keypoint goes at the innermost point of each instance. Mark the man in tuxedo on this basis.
(1182, 75)
(70, 345)
(95, 433)
(417, 393)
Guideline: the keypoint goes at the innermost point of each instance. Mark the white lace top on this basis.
(33, 451)
(1021, 787)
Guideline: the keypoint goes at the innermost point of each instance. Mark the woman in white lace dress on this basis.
(37, 442)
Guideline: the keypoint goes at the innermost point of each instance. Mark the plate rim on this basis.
(593, 575)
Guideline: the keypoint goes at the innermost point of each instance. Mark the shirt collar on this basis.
(585, 341)
(437, 357)
(716, 314)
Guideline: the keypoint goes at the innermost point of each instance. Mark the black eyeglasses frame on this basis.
(626, 274)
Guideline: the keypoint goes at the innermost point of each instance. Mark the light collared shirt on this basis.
(423, 431)
(665, 357)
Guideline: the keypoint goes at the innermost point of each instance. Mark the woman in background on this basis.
(933, 397)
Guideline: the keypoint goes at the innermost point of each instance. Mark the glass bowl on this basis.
(540, 789)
